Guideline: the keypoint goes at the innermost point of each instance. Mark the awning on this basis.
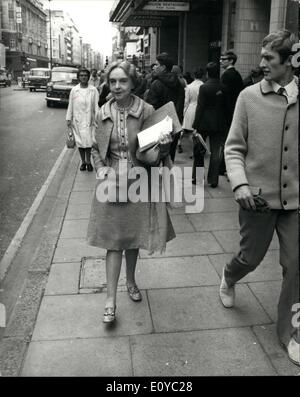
(145, 12)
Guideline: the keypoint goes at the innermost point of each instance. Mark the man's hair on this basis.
(213, 70)
(231, 55)
(282, 42)
(166, 60)
(85, 70)
(128, 68)
(198, 73)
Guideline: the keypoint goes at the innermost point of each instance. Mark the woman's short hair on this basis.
(282, 42)
(213, 70)
(128, 68)
(85, 71)
(198, 73)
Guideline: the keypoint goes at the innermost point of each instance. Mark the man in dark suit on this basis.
(232, 86)
(210, 120)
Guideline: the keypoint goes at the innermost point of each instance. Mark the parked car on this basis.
(38, 78)
(4, 81)
(62, 80)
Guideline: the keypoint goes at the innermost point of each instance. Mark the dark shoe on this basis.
(109, 315)
(83, 167)
(180, 150)
(89, 167)
(134, 293)
(214, 185)
(194, 181)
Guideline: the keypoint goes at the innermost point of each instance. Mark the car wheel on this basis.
(30, 89)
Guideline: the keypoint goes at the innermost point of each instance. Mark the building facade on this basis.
(24, 34)
(195, 32)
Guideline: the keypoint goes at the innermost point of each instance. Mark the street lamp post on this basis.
(50, 30)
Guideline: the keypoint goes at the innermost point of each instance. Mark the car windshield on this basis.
(66, 77)
(39, 73)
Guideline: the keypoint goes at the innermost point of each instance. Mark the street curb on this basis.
(17, 239)
(18, 332)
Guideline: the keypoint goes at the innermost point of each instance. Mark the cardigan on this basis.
(262, 146)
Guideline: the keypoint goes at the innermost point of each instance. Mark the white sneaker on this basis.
(293, 349)
(226, 293)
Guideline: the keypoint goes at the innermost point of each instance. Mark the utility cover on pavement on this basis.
(93, 276)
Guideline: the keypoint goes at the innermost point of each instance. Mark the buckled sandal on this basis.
(109, 315)
(134, 293)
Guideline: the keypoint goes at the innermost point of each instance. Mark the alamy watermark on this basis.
(296, 316)
(158, 184)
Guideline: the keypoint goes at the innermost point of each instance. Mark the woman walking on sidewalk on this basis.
(81, 116)
(124, 226)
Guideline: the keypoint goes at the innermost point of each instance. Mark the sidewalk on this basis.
(180, 328)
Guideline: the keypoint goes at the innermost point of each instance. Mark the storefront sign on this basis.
(167, 6)
(146, 40)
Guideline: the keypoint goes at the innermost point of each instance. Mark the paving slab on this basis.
(75, 228)
(72, 250)
(189, 244)
(182, 224)
(63, 279)
(211, 222)
(268, 339)
(93, 276)
(268, 295)
(79, 211)
(80, 316)
(175, 272)
(81, 197)
(79, 357)
(83, 186)
(230, 239)
(220, 205)
(227, 352)
(223, 189)
(196, 308)
(268, 270)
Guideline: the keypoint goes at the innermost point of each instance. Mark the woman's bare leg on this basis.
(113, 268)
(131, 259)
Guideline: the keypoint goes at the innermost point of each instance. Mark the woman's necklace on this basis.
(124, 108)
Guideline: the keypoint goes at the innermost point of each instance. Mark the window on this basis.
(12, 44)
(10, 11)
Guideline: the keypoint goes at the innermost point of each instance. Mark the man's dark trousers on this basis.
(257, 230)
(216, 142)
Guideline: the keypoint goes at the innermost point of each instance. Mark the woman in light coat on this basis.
(81, 116)
(190, 104)
(129, 225)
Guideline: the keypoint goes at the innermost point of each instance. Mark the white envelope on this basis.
(150, 136)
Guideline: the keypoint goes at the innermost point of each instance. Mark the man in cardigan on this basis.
(261, 154)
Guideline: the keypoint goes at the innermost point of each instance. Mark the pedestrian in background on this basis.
(190, 104)
(254, 77)
(261, 155)
(188, 77)
(81, 116)
(94, 79)
(124, 226)
(210, 121)
(233, 85)
(166, 87)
